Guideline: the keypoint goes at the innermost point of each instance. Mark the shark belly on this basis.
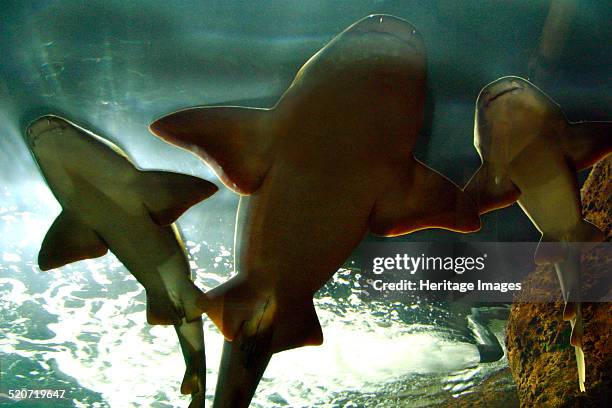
(552, 203)
(332, 218)
(150, 252)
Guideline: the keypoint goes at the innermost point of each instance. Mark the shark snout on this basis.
(501, 87)
(389, 25)
(41, 126)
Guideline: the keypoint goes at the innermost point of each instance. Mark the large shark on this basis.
(530, 153)
(108, 203)
(330, 161)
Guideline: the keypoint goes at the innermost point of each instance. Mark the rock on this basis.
(496, 391)
(541, 360)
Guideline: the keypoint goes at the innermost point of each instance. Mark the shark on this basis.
(331, 161)
(110, 204)
(530, 154)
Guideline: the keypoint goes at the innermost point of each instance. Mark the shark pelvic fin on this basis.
(554, 249)
(422, 198)
(69, 240)
(491, 189)
(296, 325)
(550, 251)
(168, 195)
(585, 143)
(588, 232)
(160, 310)
(234, 141)
(235, 307)
(164, 307)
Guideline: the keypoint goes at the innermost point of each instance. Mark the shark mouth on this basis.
(501, 93)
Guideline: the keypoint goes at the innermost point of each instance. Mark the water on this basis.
(115, 66)
(81, 328)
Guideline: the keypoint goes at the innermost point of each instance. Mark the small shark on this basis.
(530, 153)
(330, 161)
(108, 203)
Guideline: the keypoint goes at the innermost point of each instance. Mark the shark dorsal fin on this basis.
(234, 141)
(585, 143)
(69, 240)
(168, 195)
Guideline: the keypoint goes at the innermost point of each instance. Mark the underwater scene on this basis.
(290, 201)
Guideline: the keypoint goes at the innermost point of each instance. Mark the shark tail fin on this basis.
(585, 143)
(581, 368)
(576, 341)
(191, 340)
(491, 189)
(69, 240)
(168, 195)
(232, 140)
(235, 307)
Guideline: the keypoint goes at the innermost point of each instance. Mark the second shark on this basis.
(107, 203)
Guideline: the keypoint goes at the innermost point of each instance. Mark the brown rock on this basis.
(496, 391)
(540, 357)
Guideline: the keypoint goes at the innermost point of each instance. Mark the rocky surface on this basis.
(540, 358)
(497, 391)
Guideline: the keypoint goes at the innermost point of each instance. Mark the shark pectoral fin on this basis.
(69, 240)
(234, 141)
(168, 195)
(422, 198)
(585, 143)
(491, 189)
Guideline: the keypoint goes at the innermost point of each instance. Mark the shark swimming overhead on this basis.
(109, 204)
(329, 162)
(530, 153)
